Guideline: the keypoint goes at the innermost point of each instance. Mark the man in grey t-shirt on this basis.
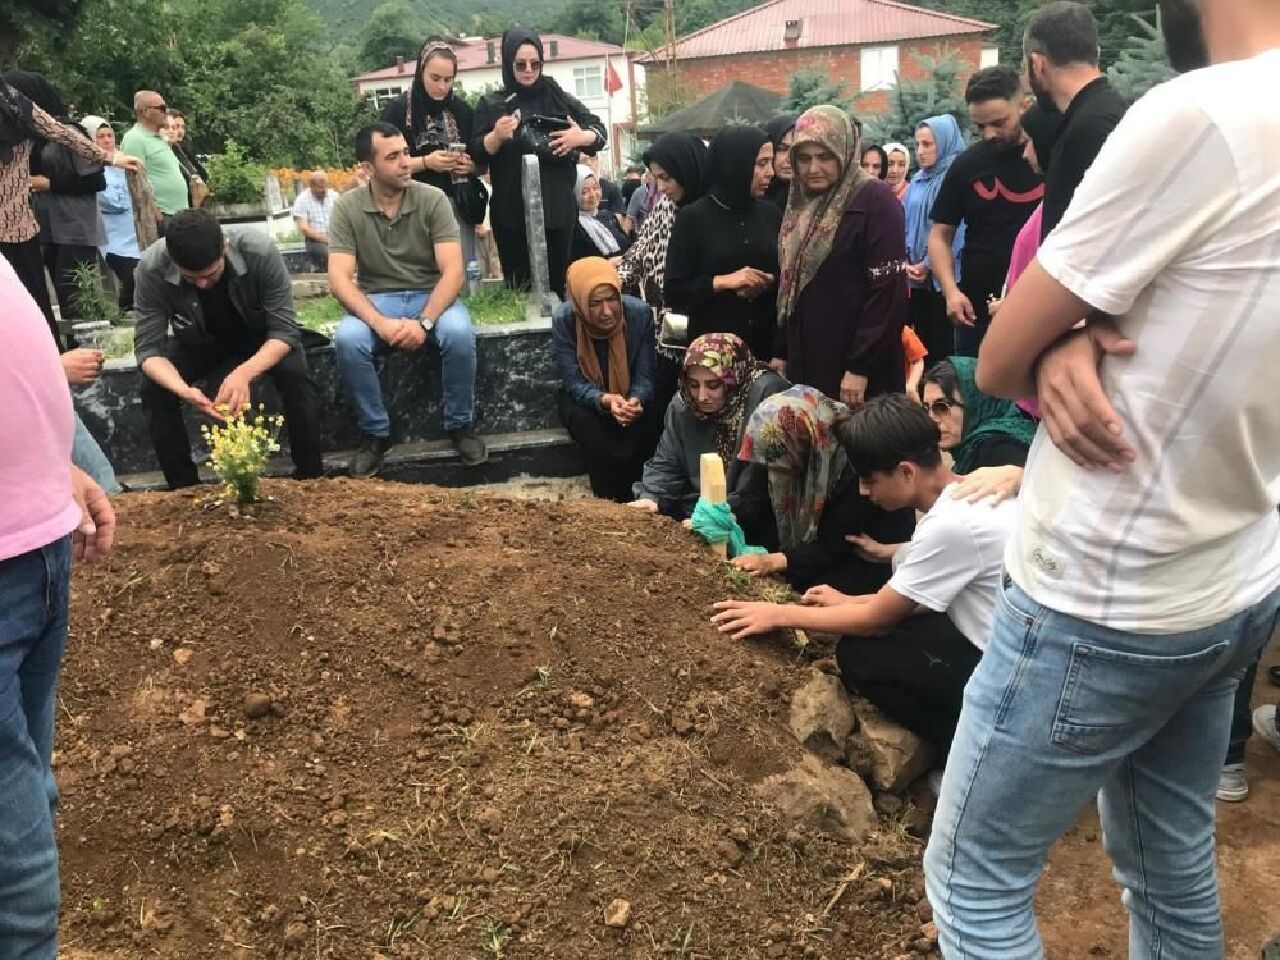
(395, 263)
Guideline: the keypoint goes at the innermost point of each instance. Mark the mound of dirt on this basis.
(389, 721)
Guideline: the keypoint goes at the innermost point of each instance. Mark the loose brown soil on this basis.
(388, 721)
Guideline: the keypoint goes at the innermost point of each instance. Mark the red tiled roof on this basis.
(823, 23)
(474, 55)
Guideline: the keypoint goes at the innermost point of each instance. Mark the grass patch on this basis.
(496, 304)
(491, 305)
(320, 314)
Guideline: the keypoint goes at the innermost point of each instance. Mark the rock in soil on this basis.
(617, 914)
(579, 732)
(890, 756)
(833, 799)
(822, 716)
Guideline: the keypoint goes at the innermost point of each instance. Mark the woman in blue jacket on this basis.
(604, 349)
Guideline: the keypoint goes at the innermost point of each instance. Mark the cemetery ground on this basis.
(382, 721)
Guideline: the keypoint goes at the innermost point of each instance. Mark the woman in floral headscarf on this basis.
(813, 496)
(842, 300)
(721, 384)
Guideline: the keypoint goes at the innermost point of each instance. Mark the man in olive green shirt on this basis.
(143, 140)
(395, 263)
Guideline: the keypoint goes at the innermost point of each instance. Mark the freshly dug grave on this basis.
(389, 721)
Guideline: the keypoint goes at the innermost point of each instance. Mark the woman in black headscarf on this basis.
(65, 188)
(678, 164)
(722, 261)
(532, 115)
(780, 130)
(433, 120)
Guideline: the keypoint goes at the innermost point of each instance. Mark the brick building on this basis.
(866, 43)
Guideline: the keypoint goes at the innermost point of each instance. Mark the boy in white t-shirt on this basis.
(911, 647)
(1140, 593)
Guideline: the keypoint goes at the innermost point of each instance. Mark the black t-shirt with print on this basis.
(993, 191)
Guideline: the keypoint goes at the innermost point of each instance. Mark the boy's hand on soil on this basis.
(823, 596)
(741, 618)
(644, 504)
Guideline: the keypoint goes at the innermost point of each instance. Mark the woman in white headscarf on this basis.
(597, 232)
(897, 168)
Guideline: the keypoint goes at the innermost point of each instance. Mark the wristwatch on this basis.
(427, 324)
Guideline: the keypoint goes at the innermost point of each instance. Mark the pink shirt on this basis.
(1025, 249)
(36, 506)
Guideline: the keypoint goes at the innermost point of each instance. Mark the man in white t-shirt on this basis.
(911, 647)
(311, 211)
(1145, 565)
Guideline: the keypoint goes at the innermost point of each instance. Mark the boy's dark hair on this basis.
(176, 113)
(943, 373)
(886, 431)
(1000, 82)
(1065, 32)
(364, 139)
(194, 239)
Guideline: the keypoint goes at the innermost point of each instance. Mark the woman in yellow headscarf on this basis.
(604, 350)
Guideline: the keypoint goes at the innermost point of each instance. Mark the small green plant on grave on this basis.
(233, 178)
(92, 303)
(495, 938)
(239, 449)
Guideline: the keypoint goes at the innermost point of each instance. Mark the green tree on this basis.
(913, 100)
(592, 19)
(811, 87)
(1143, 63)
(392, 31)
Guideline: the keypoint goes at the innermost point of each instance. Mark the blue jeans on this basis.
(88, 456)
(34, 590)
(357, 347)
(1060, 711)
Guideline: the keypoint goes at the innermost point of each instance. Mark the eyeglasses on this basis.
(941, 407)
(527, 66)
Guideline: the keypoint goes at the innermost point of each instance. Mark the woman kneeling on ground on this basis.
(721, 384)
(813, 497)
(988, 439)
(604, 349)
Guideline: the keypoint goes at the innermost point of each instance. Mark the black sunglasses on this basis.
(523, 65)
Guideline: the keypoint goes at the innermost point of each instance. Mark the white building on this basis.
(582, 67)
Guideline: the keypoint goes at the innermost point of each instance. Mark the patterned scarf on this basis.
(811, 221)
(729, 358)
(792, 434)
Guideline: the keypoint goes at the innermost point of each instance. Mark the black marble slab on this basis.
(516, 385)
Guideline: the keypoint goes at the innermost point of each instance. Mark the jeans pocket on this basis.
(1018, 603)
(1110, 694)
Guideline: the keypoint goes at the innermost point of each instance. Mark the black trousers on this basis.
(123, 268)
(292, 379)
(927, 312)
(28, 263)
(615, 455)
(513, 251)
(62, 260)
(915, 674)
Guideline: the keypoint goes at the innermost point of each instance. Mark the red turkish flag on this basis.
(612, 82)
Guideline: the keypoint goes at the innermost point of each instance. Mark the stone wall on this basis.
(516, 385)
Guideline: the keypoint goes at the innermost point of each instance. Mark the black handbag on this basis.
(536, 130)
(471, 197)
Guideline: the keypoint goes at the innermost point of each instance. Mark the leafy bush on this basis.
(235, 179)
(92, 303)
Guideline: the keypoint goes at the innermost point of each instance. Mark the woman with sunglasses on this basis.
(434, 120)
(507, 127)
(988, 439)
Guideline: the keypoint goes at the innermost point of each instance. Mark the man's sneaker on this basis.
(1232, 786)
(1264, 724)
(368, 459)
(469, 446)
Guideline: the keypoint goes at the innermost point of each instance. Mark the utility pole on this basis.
(669, 29)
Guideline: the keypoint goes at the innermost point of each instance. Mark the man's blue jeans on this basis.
(33, 633)
(357, 347)
(1059, 711)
